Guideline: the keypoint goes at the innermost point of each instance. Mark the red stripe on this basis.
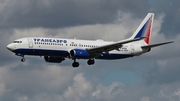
(148, 33)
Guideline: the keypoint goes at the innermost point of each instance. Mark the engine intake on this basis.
(79, 53)
(53, 59)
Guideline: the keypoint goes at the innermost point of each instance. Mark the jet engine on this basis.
(79, 53)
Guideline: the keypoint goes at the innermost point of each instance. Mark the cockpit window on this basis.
(17, 42)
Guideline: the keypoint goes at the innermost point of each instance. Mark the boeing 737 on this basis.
(56, 50)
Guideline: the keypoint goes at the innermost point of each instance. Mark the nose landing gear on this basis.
(23, 59)
(21, 55)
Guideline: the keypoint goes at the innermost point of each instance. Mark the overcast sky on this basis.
(154, 76)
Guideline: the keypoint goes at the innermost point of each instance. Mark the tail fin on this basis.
(144, 29)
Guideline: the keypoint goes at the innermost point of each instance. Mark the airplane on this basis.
(56, 50)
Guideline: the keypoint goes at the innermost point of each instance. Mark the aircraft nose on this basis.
(10, 47)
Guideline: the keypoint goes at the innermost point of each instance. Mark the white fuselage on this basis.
(61, 47)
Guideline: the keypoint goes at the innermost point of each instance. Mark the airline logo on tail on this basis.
(144, 30)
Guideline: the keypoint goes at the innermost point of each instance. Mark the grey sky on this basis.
(63, 13)
(151, 77)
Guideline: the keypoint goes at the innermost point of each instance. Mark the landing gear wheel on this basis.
(90, 62)
(23, 60)
(75, 64)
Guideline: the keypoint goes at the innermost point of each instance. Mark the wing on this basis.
(109, 47)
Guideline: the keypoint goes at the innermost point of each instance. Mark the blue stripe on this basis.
(107, 56)
(62, 53)
(42, 52)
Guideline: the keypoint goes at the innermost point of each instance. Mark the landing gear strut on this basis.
(90, 62)
(21, 55)
(75, 64)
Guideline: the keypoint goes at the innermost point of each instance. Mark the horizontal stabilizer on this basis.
(155, 45)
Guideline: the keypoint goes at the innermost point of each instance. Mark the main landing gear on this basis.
(75, 64)
(89, 62)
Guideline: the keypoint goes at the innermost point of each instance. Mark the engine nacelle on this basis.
(79, 53)
(53, 59)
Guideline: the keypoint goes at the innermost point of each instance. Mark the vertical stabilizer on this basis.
(144, 29)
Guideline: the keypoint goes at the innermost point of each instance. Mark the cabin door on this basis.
(30, 43)
(132, 49)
